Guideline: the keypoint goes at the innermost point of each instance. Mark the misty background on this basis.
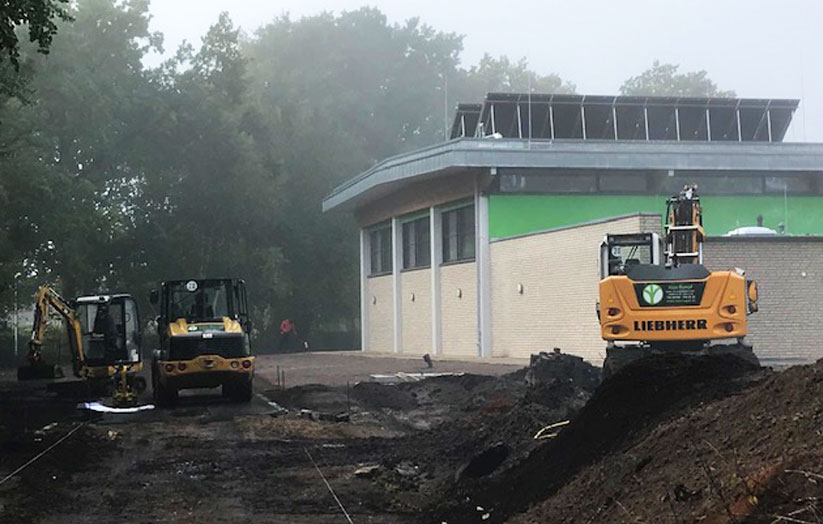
(185, 139)
(758, 48)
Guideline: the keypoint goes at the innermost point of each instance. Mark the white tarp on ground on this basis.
(102, 408)
(410, 377)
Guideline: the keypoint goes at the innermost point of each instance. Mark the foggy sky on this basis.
(760, 49)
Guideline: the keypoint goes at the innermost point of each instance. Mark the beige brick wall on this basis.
(380, 314)
(416, 314)
(787, 325)
(652, 223)
(559, 272)
(459, 314)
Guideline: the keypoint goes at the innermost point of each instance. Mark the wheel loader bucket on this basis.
(38, 371)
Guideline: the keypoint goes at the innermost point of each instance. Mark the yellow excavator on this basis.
(104, 342)
(204, 332)
(674, 304)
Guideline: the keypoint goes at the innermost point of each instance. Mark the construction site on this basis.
(710, 439)
(679, 423)
(574, 309)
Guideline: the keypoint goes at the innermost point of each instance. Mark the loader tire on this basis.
(238, 391)
(163, 396)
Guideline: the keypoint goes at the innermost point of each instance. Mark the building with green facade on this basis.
(525, 187)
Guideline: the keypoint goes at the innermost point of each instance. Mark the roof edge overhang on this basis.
(480, 153)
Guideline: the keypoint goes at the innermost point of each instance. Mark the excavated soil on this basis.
(755, 456)
(668, 439)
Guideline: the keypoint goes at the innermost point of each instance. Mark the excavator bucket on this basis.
(35, 368)
(41, 370)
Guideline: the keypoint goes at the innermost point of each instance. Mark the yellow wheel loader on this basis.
(657, 296)
(204, 332)
(104, 341)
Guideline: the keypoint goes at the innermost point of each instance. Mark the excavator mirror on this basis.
(154, 297)
(751, 292)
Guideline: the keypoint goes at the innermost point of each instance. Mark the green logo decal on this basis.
(652, 294)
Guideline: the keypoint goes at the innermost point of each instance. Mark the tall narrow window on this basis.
(416, 243)
(458, 234)
(380, 251)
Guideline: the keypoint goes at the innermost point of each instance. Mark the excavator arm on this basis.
(45, 300)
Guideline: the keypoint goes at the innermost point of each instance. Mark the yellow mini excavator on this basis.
(104, 341)
(675, 305)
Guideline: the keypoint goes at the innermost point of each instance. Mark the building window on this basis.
(380, 249)
(458, 234)
(416, 244)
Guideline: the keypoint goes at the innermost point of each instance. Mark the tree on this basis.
(38, 15)
(65, 171)
(503, 75)
(664, 80)
(114, 176)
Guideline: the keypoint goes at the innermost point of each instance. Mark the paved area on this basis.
(337, 368)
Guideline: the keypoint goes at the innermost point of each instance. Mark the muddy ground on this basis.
(208, 460)
(667, 440)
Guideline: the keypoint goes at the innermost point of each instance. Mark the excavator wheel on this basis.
(739, 350)
(618, 358)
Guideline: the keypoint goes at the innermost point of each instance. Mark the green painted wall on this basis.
(511, 215)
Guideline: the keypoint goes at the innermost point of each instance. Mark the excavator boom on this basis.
(36, 367)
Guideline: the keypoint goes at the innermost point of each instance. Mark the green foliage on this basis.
(664, 80)
(502, 75)
(38, 15)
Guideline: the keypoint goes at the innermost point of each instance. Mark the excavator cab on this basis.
(110, 328)
(620, 252)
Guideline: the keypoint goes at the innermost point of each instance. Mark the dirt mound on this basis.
(640, 395)
(486, 424)
(754, 457)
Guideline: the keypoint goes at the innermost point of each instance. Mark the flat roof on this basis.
(485, 153)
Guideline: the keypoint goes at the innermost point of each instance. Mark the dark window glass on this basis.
(380, 251)
(416, 248)
(715, 184)
(623, 182)
(548, 183)
(458, 234)
(789, 184)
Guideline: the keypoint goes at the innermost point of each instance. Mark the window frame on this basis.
(416, 242)
(454, 244)
(378, 237)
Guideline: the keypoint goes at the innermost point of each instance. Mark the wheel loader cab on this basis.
(204, 333)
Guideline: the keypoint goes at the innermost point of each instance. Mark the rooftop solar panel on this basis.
(542, 116)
